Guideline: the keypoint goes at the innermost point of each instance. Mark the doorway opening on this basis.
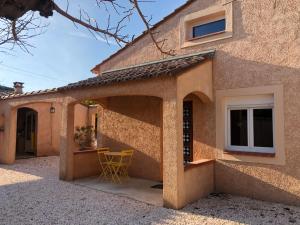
(26, 143)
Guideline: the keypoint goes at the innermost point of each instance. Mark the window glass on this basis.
(263, 127)
(239, 127)
(209, 28)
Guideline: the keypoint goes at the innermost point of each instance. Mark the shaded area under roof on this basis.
(6, 90)
(168, 67)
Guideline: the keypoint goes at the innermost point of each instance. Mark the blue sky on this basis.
(65, 54)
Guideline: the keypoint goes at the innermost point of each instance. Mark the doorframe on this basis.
(35, 116)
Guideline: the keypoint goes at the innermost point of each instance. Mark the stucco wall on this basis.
(86, 164)
(198, 181)
(203, 120)
(264, 50)
(48, 142)
(1, 127)
(47, 128)
(81, 115)
(49, 124)
(134, 122)
(1, 138)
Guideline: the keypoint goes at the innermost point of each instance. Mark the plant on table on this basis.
(85, 137)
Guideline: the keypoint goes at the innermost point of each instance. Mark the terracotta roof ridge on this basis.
(205, 52)
(38, 92)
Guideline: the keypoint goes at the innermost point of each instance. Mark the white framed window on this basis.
(207, 25)
(250, 124)
(205, 29)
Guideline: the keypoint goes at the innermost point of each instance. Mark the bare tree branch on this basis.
(20, 32)
(158, 43)
(18, 24)
(115, 35)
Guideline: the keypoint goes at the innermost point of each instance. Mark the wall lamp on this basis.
(52, 109)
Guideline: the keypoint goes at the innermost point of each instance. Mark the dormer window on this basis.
(210, 28)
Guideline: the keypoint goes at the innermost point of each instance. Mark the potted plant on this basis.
(85, 137)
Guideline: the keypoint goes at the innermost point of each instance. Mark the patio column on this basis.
(67, 142)
(8, 149)
(99, 139)
(173, 171)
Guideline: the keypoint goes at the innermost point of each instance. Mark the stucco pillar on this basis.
(173, 171)
(67, 142)
(8, 150)
(99, 139)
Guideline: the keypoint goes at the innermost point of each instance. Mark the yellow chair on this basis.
(127, 162)
(119, 167)
(104, 164)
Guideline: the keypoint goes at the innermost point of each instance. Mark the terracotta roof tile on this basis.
(169, 67)
(32, 93)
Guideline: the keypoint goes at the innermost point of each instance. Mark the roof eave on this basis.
(95, 69)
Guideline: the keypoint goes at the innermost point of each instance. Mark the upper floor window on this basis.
(207, 25)
(210, 28)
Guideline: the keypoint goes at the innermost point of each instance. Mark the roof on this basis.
(40, 92)
(167, 67)
(188, 2)
(6, 90)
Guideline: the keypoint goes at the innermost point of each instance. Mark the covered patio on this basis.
(142, 108)
(141, 190)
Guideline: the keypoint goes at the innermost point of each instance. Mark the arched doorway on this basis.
(196, 125)
(26, 143)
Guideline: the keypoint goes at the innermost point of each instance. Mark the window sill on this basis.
(264, 154)
(207, 35)
(206, 39)
(85, 151)
(198, 163)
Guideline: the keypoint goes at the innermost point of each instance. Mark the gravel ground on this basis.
(30, 193)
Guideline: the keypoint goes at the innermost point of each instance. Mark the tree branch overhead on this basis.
(17, 27)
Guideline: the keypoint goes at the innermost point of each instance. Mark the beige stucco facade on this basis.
(48, 126)
(145, 116)
(258, 54)
(263, 51)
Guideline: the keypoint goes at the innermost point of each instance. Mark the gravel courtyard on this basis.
(30, 193)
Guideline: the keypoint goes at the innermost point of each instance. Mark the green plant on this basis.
(84, 136)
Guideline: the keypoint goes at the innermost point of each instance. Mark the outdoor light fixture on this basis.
(52, 109)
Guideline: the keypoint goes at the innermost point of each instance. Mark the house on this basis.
(220, 116)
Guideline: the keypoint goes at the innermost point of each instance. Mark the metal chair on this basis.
(104, 164)
(119, 167)
(127, 162)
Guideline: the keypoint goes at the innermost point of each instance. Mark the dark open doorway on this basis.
(26, 143)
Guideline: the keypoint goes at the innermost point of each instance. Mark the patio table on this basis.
(114, 160)
(113, 154)
(119, 163)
